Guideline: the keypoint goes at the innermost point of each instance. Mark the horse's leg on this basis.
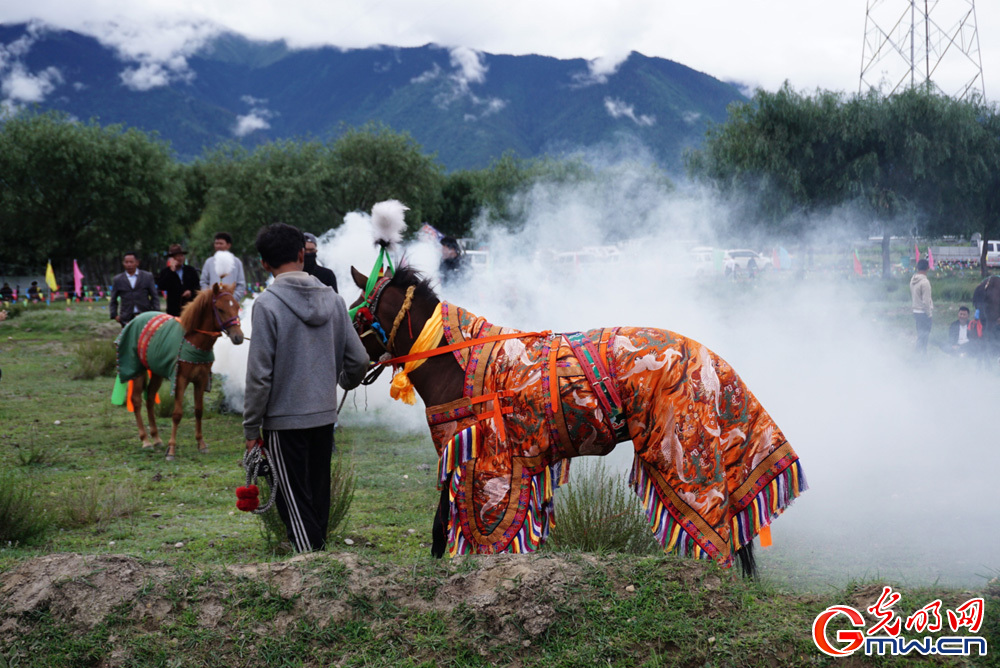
(138, 383)
(181, 385)
(200, 382)
(748, 563)
(439, 532)
(151, 391)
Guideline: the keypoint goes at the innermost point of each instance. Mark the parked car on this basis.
(743, 257)
(704, 259)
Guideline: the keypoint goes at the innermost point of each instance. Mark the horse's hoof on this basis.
(148, 446)
(203, 450)
(170, 456)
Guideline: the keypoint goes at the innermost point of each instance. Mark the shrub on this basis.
(94, 358)
(13, 309)
(42, 451)
(22, 519)
(342, 486)
(599, 512)
(91, 501)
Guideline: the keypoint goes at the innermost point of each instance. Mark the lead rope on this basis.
(256, 465)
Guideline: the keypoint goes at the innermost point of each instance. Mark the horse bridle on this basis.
(223, 326)
(364, 314)
(235, 320)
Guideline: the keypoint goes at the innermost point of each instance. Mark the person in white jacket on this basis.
(923, 305)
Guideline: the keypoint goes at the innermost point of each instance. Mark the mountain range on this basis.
(467, 107)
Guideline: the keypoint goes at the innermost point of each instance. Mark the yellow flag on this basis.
(50, 278)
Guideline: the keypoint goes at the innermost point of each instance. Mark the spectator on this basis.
(923, 305)
(33, 294)
(6, 293)
(964, 335)
(180, 281)
(136, 289)
(303, 345)
(453, 265)
(312, 267)
(210, 277)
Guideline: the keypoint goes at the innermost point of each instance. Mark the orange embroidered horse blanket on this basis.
(711, 467)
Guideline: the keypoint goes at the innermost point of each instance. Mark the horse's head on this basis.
(227, 311)
(213, 312)
(390, 312)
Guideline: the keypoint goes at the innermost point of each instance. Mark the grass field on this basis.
(148, 563)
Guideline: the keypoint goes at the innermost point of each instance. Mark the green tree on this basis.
(78, 190)
(916, 160)
(374, 163)
(285, 181)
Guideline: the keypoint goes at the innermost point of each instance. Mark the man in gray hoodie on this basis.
(923, 305)
(302, 345)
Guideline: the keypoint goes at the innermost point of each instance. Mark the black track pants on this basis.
(300, 460)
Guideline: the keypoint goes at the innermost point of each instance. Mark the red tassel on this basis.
(248, 492)
(247, 505)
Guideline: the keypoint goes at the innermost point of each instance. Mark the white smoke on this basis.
(900, 464)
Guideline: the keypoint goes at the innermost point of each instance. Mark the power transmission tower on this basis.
(918, 42)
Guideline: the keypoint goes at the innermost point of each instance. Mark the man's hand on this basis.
(250, 443)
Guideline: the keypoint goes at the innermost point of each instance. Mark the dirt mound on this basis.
(511, 598)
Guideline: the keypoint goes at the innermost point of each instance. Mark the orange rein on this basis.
(396, 361)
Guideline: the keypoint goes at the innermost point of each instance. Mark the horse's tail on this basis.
(439, 531)
(748, 563)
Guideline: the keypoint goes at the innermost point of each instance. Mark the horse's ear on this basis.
(359, 279)
(215, 288)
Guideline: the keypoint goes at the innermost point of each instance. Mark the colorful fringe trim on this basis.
(767, 504)
(772, 500)
(668, 531)
(460, 449)
(539, 517)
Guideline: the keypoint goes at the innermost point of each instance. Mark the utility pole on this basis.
(941, 35)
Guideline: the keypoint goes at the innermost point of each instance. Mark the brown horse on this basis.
(179, 349)
(508, 410)
(986, 299)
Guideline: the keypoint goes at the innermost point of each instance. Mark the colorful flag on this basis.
(50, 277)
(916, 252)
(857, 264)
(77, 279)
(930, 257)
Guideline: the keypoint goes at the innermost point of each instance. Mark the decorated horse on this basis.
(508, 411)
(986, 300)
(179, 349)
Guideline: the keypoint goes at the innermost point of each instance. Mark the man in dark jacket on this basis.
(178, 280)
(303, 345)
(965, 335)
(312, 267)
(135, 288)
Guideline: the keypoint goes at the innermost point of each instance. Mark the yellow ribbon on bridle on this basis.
(429, 338)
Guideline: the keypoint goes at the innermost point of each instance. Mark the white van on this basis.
(992, 253)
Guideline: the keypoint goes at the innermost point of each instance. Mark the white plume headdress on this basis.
(225, 263)
(388, 222)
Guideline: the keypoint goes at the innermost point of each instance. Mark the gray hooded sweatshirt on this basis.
(301, 346)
